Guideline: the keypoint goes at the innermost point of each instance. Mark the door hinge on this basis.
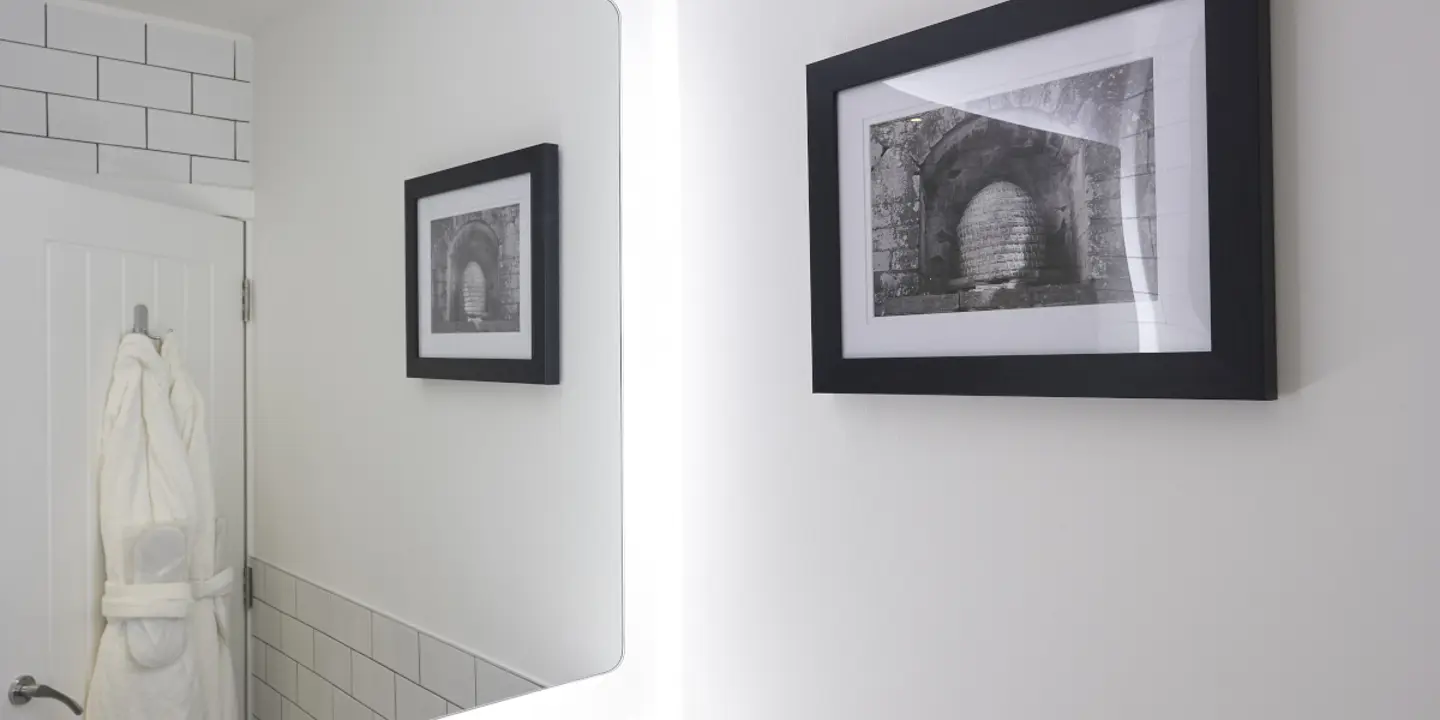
(247, 589)
(247, 300)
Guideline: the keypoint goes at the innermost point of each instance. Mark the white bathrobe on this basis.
(164, 654)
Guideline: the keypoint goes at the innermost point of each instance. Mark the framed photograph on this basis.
(1048, 198)
(482, 263)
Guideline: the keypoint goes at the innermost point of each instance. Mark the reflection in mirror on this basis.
(435, 364)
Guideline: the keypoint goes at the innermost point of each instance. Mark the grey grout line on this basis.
(132, 62)
(97, 99)
(473, 655)
(127, 147)
(396, 674)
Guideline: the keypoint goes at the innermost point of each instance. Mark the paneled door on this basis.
(73, 264)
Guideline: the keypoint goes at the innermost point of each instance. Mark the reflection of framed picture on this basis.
(1048, 197)
(482, 263)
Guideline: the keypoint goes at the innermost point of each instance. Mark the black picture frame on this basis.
(1242, 364)
(542, 163)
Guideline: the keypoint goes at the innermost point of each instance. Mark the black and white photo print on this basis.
(1047, 197)
(482, 265)
(973, 212)
(475, 272)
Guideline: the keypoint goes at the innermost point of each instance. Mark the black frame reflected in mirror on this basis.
(542, 163)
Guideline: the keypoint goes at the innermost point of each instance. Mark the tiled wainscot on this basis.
(315, 655)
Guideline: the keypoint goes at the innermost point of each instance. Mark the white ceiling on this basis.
(239, 16)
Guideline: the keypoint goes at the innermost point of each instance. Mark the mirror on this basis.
(435, 438)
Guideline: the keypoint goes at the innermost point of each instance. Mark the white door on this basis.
(73, 264)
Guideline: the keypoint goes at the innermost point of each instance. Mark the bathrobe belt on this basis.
(157, 601)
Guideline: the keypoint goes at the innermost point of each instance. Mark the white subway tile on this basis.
(22, 111)
(298, 641)
(245, 60)
(493, 684)
(225, 173)
(222, 98)
(96, 33)
(293, 712)
(95, 121)
(268, 703)
(373, 685)
(267, 622)
(47, 154)
(332, 661)
(397, 647)
(348, 708)
(145, 165)
(184, 49)
(244, 142)
(352, 622)
(317, 697)
(256, 657)
(282, 673)
(33, 68)
(23, 21)
(447, 671)
(144, 85)
(314, 606)
(413, 702)
(279, 585)
(212, 138)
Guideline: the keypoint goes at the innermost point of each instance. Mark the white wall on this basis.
(487, 515)
(89, 92)
(1028, 559)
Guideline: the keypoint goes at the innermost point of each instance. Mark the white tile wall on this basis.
(146, 85)
(293, 712)
(298, 641)
(332, 661)
(144, 164)
(282, 673)
(343, 682)
(267, 623)
(493, 684)
(195, 135)
(312, 605)
(280, 591)
(47, 155)
(448, 671)
(317, 697)
(184, 49)
(268, 704)
(222, 98)
(245, 60)
(244, 142)
(413, 702)
(348, 708)
(96, 33)
(397, 647)
(55, 71)
(256, 656)
(85, 53)
(374, 685)
(23, 21)
(95, 121)
(352, 624)
(22, 111)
